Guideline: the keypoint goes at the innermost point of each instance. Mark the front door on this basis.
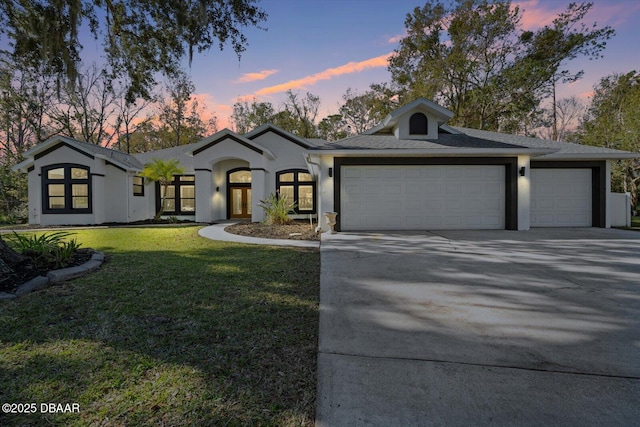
(240, 202)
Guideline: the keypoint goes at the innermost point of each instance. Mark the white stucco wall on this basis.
(140, 207)
(609, 209)
(116, 195)
(289, 155)
(212, 165)
(524, 193)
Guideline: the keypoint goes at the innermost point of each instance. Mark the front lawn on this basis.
(173, 330)
(635, 222)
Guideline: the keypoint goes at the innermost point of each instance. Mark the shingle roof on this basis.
(178, 153)
(118, 156)
(563, 148)
(466, 138)
(390, 142)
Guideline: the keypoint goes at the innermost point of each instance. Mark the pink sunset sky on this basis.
(327, 46)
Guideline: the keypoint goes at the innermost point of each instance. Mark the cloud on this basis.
(252, 77)
(396, 39)
(329, 73)
(535, 15)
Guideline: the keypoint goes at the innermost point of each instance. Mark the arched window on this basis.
(66, 189)
(299, 187)
(240, 176)
(418, 124)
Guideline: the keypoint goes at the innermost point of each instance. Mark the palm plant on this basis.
(162, 172)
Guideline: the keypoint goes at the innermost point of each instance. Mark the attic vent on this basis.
(418, 124)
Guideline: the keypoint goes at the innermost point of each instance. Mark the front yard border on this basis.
(56, 276)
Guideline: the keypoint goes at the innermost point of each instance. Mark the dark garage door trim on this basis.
(598, 185)
(511, 176)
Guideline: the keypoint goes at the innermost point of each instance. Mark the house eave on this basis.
(445, 152)
(23, 166)
(589, 156)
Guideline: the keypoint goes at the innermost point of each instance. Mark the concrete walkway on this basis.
(480, 328)
(216, 232)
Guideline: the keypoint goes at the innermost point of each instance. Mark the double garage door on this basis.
(422, 197)
(431, 197)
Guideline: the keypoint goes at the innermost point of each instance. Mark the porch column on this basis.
(258, 190)
(204, 195)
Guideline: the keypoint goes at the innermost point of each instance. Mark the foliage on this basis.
(613, 121)
(332, 128)
(247, 115)
(277, 209)
(298, 114)
(25, 95)
(361, 112)
(162, 172)
(141, 38)
(198, 334)
(48, 250)
(13, 195)
(474, 59)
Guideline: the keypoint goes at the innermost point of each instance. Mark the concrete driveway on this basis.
(480, 328)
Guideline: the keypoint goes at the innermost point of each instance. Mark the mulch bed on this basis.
(296, 230)
(26, 271)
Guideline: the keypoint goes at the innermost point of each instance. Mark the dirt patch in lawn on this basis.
(296, 230)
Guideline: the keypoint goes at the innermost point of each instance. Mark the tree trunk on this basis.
(8, 256)
(8, 259)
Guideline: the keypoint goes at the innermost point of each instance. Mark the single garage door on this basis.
(561, 198)
(422, 197)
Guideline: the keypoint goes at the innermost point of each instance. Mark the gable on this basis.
(419, 119)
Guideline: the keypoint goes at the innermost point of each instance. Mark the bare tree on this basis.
(87, 108)
(568, 111)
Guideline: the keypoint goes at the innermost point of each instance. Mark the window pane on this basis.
(56, 190)
(418, 124)
(80, 202)
(287, 191)
(77, 173)
(188, 205)
(286, 177)
(171, 192)
(56, 173)
(187, 178)
(302, 176)
(56, 202)
(187, 191)
(240, 176)
(170, 205)
(248, 201)
(236, 201)
(80, 190)
(138, 180)
(305, 197)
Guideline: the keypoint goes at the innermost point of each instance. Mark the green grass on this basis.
(173, 330)
(635, 222)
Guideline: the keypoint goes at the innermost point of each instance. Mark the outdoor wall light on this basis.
(522, 171)
(330, 172)
(217, 189)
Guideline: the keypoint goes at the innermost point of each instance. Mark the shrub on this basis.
(277, 209)
(48, 250)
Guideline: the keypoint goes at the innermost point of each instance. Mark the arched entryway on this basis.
(239, 193)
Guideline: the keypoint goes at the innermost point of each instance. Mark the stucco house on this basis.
(412, 171)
